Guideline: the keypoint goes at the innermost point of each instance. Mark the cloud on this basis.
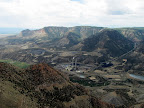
(80, 1)
(40, 13)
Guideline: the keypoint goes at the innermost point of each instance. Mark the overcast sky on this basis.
(41, 13)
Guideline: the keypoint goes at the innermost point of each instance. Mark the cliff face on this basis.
(85, 31)
(68, 40)
(45, 87)
(55, 32)
(133, 34)
(33, 33)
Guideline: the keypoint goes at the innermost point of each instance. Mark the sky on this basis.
(42, 13)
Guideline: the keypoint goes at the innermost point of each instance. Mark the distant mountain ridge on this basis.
(51, 32)
(59, 32)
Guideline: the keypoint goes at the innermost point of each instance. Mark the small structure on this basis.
(79, 71)
(107, 64)
(124, 61)
(74, 63)
(69, 68)
(92, 78)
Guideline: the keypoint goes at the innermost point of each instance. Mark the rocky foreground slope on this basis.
(44, 87)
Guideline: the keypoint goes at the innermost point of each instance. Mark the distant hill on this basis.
(111, 41)
(52, 32)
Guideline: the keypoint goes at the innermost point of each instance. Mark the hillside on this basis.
(33, 55)
(10, 96)
(135, 34)
(135, 60)
(42, 86)
(67, 41)
(109, 41)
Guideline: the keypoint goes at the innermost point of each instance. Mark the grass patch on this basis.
(16, 63)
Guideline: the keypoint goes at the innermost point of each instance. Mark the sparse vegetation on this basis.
(12, 98)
